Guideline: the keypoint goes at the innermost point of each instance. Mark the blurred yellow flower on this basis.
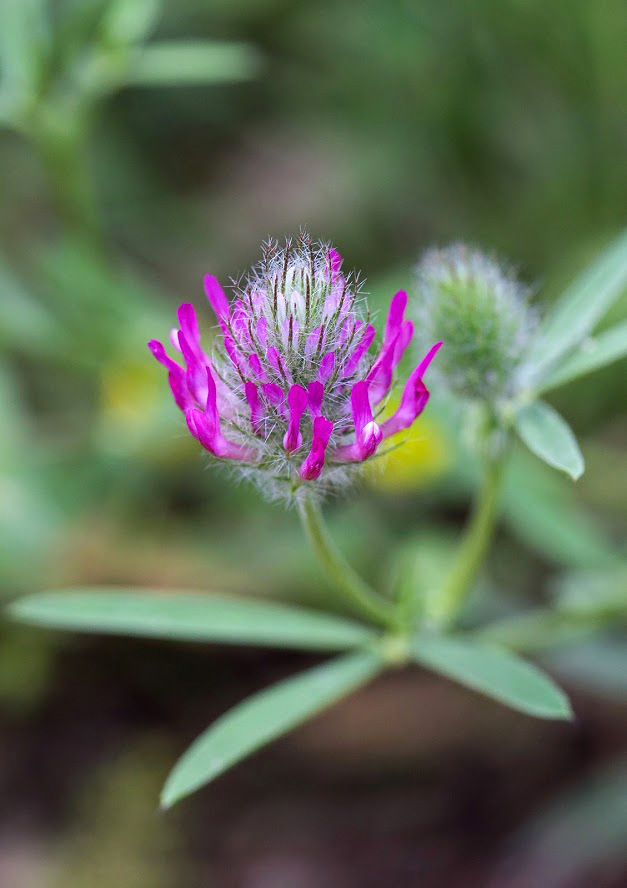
(415, 457)
(127, 386)
(135, 415)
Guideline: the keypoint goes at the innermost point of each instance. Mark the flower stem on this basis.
(337, 568)
(474, 545)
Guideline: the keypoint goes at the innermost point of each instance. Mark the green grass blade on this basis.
(542, 508)
(580, 308)
(494, 672)
(607, 347)
(189, 616)
(175, 63)
(264, 717)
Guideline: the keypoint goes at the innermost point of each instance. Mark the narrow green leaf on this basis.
(173, 63)
(129, 21)
(191, 617)
(607, 347)
(24, 46)
(494, 672)
(580, 308)
(594, 594)
(264, 717)
(550, 437)
(541, 507)
(535, 630)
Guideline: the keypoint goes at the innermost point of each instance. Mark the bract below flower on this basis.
(291, 393)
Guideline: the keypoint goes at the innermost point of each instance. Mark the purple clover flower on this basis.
(291, 393)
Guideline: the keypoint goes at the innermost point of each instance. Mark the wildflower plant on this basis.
(292, 393)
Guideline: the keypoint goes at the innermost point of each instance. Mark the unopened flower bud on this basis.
(481, 313)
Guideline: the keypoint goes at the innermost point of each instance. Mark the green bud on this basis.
(479, 310)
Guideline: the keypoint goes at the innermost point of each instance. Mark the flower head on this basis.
(290, 392)
(480, 310)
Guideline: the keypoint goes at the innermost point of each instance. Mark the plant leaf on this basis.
(128, 22)
(550, 437)
(191, 617)
(594, 594)
(172, 63)
(535, 630)
(580, 308)
(494, 672)
(541, 507)
(609, 346)
(24, 47)
(264, 717)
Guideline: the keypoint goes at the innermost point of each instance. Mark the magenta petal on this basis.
(239, 325)
(414, 401)
(371, 437)
(187, 350)
(297, 402)
(414, 398)
(347, 454)
(367, 432)
(315, 391)
(312, 466)
(262, 331)
(335, 261)
(316, 339)
(211, 407)
(255, 365)
(274, 394)
(189, 323)
(347, 328)
(180, 391)
(230, 347)
(363, 346)
(327, 365)
(398, 335)
(380, 376)
(362, 412)
(368, 435)
(424, 364)
(256, 407)
(395, 316)
(197, 368)
(404, 338)
(190, 418)
(278, 364)
(216, 297)
(208, 434)
(162, 356)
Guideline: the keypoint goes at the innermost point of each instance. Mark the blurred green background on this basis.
(143, 145)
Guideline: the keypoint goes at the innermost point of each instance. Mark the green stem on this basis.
(337, 568)
(474, 545)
